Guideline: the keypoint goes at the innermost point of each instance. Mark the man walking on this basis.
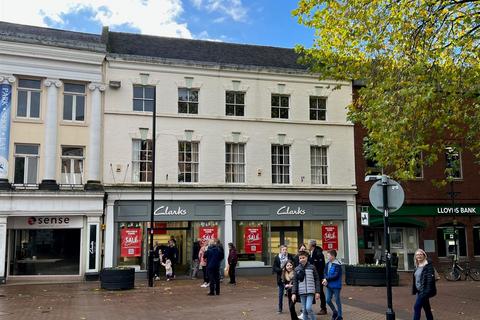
(317, 259)
(306, 284)
(333, 282)
(214, 258)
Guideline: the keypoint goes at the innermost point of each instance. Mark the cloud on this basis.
(154, 17)
(232, 8)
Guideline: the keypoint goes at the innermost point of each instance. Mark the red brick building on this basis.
(428, 218)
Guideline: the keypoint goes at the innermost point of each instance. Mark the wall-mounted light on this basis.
(115, 84)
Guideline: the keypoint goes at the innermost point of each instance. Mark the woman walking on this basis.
(203, 263)
(287, 276)
(423, 285)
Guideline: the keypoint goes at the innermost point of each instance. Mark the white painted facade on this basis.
(211, 128)
(53, 65)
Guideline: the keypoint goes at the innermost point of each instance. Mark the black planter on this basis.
(117, 278)
(369, 276)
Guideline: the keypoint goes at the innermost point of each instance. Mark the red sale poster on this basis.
(208, 233)
(131, 242)
(330, 237)
(253, 239)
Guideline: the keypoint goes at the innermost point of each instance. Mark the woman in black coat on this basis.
(423, 285)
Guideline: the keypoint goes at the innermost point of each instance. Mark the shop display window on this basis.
(45, 252)
(476, 240)
(253, 243)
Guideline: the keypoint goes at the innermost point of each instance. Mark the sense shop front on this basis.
(260, 227)
(46, 246)
(180, 221)
(431, 227)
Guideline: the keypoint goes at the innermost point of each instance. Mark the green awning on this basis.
(397, 222)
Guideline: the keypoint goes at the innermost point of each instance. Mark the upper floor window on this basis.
(235, 162)
(143, 98)
(318, 108)
(28, 105)
(187, 161)
(453, 163)
(280, 164)
(187, 100)
(72, 165)
(319, 165)
(280, 105)
(74, 102)
(142, 160)
(26, 164)
(235, 103)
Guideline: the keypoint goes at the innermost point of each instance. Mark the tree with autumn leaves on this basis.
(419, 64)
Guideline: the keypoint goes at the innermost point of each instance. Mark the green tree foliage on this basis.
(419, 61)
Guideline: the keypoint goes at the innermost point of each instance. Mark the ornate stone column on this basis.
(94, 146)
(228, 223)
(50, 146)
(3, 247)
(5, 111)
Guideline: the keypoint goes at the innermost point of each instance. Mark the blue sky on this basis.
(262, 22)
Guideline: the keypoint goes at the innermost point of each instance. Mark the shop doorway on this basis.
(289, 236)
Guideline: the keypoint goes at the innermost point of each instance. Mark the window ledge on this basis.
(27, 120)
(73, 123)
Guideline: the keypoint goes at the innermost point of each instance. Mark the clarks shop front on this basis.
(431, 227)
(260, 227)
(180, 221)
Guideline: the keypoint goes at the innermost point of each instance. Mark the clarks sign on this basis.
(286, 210)
(460, 210)
(166, 211)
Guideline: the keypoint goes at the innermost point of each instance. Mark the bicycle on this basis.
(456, 271)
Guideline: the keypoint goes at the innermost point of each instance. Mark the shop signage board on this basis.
(208, 233)
(433, 210)
(92, 247)
(46, 222)
(131, 245)
(330, 237)
(253, 239)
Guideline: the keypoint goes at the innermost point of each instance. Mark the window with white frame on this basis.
(187, 100)
(72, 165)
(319, 165)
(26, 164)
(28, 99)
(187, 161)
(235, 103)
(143, 98)
(453, 163)
(235, 162)
(74, 102)
(280, 104)
(280, 164)
(142, 161)
(318, 108)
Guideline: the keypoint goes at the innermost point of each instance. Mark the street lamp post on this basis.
(150, 274)
(451, 166)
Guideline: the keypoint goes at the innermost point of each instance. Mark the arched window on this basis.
(446, 240)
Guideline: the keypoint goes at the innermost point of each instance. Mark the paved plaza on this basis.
(252, 298)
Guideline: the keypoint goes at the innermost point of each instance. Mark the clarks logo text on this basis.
(166, 211)
(285, 210)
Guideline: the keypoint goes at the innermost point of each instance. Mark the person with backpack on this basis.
(306, 285)
(423, 285)
(333, 283)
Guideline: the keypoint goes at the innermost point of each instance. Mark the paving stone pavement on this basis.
(252, 298)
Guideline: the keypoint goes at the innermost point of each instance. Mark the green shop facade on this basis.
(435, 228)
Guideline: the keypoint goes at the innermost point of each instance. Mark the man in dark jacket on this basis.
(318, 260)
(195, 259)
(278, 263)
(306, 285)
(214, 258)
(172, 254)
